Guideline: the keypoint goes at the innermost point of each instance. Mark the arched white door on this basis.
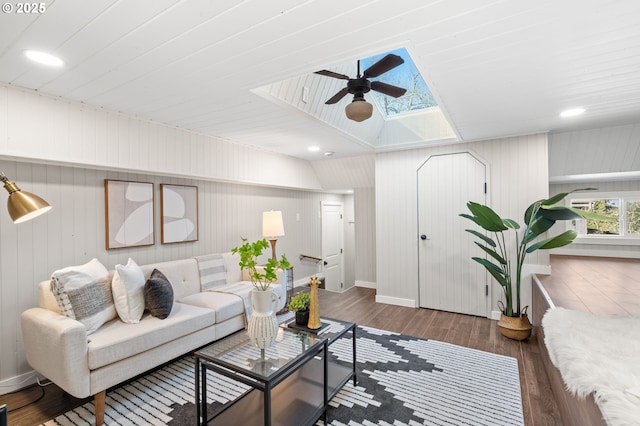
(449, 279)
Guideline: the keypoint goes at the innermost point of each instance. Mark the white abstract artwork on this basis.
(129, 213)
(179, 205)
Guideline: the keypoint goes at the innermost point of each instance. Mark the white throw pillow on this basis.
(128, 292)
(83, 293)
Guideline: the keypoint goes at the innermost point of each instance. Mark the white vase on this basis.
(263, 326)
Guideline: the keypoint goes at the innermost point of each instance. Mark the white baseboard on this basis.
(18, 382)
(409, 303)
(495, 315)
(366, 284)
(301, 283)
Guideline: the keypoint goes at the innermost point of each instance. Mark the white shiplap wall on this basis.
(54, 130)
(603, 150)
(346, 173)
(589, 157)
(73, 233)
(518, 175)
(365, 229)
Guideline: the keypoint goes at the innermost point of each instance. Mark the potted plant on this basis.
(261, 276)
(300, 305)
(539, 217)
(262, 326)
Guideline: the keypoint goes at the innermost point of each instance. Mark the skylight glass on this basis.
(418, 95)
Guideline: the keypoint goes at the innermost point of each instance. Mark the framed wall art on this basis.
(178, 213)
(129, 213)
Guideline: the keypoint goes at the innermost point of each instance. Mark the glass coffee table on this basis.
(290, 383)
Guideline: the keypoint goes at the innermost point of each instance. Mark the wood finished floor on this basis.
(358, 305)
(601, 285)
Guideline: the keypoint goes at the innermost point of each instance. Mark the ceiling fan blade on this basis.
(383, 65)
(387, 89)
(335, 98)
(332, 74)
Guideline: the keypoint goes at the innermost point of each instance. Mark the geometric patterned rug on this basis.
(402, 381)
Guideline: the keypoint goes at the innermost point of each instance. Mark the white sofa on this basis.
(59, 348)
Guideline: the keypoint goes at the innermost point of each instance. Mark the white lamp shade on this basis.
(272, 225)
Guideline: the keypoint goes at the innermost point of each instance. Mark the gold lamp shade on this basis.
(23, 205)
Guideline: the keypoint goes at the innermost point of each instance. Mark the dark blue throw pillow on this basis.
(158, 295)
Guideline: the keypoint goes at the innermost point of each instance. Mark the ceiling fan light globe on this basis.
(359, 110)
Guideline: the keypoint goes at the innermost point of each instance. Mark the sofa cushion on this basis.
(116, 340)
(182, 274)
(232, 264)
(127, 287)
(83, 292)
(158, 295)
(225, 305)
(212, 270)
(243, 288)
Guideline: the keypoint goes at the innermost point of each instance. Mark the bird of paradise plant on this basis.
(539, 217)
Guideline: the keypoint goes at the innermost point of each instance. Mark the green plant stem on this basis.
(502, 246)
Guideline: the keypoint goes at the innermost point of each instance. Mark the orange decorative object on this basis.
(314, 312)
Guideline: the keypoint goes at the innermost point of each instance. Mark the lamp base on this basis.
(273, 248)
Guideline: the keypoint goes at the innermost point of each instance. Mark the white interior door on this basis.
(449, 279)
(332, 246)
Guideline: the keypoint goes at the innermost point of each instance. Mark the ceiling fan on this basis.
(359, 109)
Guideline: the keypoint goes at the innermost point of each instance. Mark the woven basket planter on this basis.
(517, 328)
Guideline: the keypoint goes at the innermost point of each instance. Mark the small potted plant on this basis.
(300, 305)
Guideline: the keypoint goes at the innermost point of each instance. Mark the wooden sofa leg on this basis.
(98, 400)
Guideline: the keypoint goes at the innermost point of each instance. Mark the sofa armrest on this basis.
(56, 347)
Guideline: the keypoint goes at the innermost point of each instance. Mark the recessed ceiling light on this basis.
(314, 148)
(44, 58)
(572, 112)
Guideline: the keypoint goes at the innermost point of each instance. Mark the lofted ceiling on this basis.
(497, 68)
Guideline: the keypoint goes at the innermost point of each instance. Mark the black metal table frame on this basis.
(250, 379)
(351, 327)
(254, 380)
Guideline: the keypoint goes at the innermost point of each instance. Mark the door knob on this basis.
(423, 237)
(325, 263)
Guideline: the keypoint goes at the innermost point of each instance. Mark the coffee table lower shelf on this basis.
(296, 401)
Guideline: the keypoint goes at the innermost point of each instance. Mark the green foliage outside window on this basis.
(633, 217)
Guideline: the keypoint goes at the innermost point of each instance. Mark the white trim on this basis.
(18, 382)
(408, 303)
(595, 177)
(495, 315)
(536, 268)
(366, 284)
(604, 252)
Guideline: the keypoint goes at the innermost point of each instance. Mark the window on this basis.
(418, 96)
(624, 208)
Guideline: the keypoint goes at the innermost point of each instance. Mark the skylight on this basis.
(418, 95)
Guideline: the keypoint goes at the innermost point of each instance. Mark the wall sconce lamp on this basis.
(22, 205)
(272, 227)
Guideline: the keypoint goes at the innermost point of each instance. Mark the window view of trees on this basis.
(418, 95)
(627, 213)
(605, 207)
(633, 217)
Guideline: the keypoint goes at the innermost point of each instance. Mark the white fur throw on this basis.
(599, 355)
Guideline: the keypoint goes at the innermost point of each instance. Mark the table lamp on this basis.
(272, 227)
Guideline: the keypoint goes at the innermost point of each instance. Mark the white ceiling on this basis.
(497, 68)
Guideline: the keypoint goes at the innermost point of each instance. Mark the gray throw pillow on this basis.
(158, 295)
